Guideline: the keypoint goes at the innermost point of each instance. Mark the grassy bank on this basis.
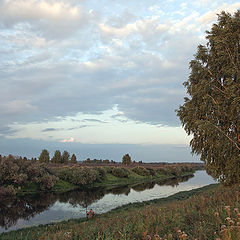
(207, 213)
(22, 176)
(73, 177)
(111, 180)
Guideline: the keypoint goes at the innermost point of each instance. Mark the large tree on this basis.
(211, 112)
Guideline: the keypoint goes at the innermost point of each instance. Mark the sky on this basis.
(99, 78)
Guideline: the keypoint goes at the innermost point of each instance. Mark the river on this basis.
(46, 208)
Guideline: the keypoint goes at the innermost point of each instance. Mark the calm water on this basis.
(46, 208)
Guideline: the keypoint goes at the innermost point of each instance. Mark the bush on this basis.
(162, 171)
(8, 191)
(141, 171)
(186, 169)
(151, 171)
(101, 173)
(174, 171)
(108, 169)
(18, 171)
(47, 181)
(78, 176)
(120, 172)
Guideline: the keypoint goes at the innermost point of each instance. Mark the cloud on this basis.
(211, 16)
(50, 129)
(69, 57)
(93, 120)
(79, 127)
(53, 18)
(7, 131)
(16, 107)
(67, 140)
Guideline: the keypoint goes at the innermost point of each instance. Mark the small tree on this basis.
(73, 159)
(65, 157)
(44, 156)
(57, 157)
(126, 159)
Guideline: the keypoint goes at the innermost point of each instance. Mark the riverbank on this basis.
(78, 177)
(205, 213)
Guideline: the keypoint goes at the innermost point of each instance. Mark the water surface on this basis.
(45, 208)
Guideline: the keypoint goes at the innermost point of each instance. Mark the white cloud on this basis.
(210, 16)
(54, 19)
(71, 139)
(13, 11)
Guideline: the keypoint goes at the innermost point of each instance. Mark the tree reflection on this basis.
(143, 186)
(174, 182)
(14, 208)
(120, 190)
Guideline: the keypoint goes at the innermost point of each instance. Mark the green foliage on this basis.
(65, 157)
(9, 190)
(22, 172)
(57, 157)
(78, 176)
(162, 171)
(212, 112)
(73, 159)
(101, 173)
(126, 159)
(141, 171)
(108, 169)
(120, 172)
(151, 171)
(44, 156)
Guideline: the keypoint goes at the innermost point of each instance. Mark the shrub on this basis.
(18, 171)
(162, 171)
(186, 169)
(78, 176)
(8, 191)
(101, 173)
(108, 169)
(174, 171)
(151, 171)
(47, 181)
(120, 172)
(141, 171)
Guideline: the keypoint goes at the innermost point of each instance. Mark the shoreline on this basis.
(183, 195)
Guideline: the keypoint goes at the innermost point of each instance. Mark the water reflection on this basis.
(19, 212)
(12, 209)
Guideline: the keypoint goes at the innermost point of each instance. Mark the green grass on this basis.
(62, 185)
(133, 178)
